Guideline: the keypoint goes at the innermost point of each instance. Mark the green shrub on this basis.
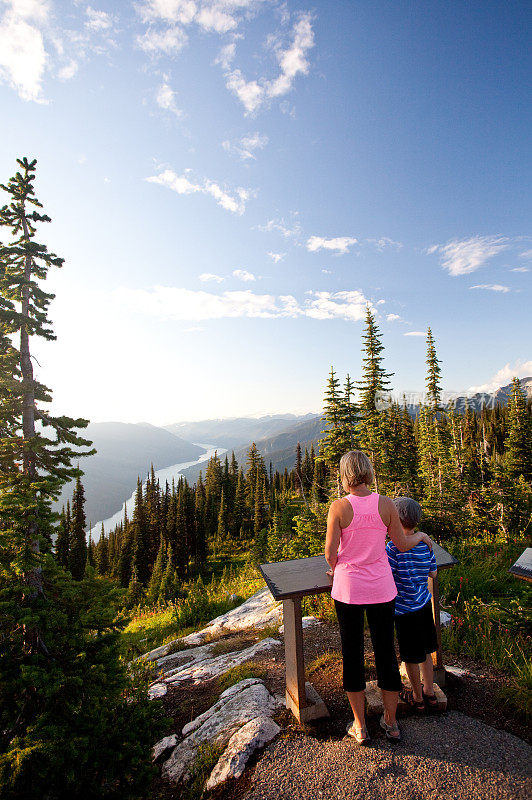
(240, 673)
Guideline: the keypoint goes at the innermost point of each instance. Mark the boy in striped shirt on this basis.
(414, 621)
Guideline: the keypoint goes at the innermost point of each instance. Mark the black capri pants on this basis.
(381, 626)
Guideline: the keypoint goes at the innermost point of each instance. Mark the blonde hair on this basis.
(356, 468)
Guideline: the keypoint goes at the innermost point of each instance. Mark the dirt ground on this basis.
(477, 697)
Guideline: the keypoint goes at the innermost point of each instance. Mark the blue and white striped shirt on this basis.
(410, 571)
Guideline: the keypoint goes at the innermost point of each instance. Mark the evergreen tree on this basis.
(62, 542)
(78, 542)
(519, 442)
(433, 374)
(102, 554)
(141, 536)
(373, 388)
(67, 705)
(154, 585)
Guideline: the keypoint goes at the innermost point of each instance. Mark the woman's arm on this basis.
(397, 535)
(332, 541)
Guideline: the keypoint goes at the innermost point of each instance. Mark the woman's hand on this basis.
(423, 537)
(330, 573)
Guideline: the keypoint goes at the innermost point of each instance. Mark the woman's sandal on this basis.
(431, 701)
(389, 729)
(360, 735)
(407, 696)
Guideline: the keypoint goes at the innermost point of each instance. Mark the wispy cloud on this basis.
(526, 254)
(520, 269)
(287, 229)
(493, 287)
(392, 317)
(205, 277)
(460, 257)
(184, 304)
(169, 41)
(415, 333)
(98, 21)
(519, 369)
(236, 202)
(292, 62)
(384, 242)
(166, 99)
(244, 275)
(340, 244)
(246, 147)
(276, 257)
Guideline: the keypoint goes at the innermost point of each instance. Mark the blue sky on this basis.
(232, 181)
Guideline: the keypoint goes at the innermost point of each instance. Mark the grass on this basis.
(206, 758)
(151, 627)
(240, 673)
(491, 614)
(331, 658)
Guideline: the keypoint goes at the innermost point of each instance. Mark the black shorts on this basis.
(416, 634)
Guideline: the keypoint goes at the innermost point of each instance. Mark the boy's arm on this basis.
(433, 566)
(433, 573)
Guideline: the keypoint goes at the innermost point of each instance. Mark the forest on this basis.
(75, 720)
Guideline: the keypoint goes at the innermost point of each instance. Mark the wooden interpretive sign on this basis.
(522, 568)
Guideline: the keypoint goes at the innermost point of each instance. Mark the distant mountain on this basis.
(125, 451)
(236, 431)
(489, 399)
(280, 448)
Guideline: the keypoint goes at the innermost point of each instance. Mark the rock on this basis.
(237, 706)
(164, 747)
(259, 611)
(175, 661)
(157, 690)
(242, 744)
(212, 667)
(306, 622)
(445, 619)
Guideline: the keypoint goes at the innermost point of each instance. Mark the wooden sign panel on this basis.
(523, 566)
(303, 576)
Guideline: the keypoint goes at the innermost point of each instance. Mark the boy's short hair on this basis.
(409, 512)
(356, 468)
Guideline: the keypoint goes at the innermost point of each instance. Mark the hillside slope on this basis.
(125, 451)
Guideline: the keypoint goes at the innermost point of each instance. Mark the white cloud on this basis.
(276, 257)
(526, 254)
(67, 72)
(494, 287)
(460, 257)
(247, 146)
(384, 242)
(23, 58)
(392, 317)
(292, 62)
(243, 275)
(181, 11)
(210, 276)
(415, 333)
(520, 269)
(340, 244)
(347, 305)
(519, 369)
(235, 203)
(169, 41)
(185, 304)
(286, 229)
(226, 56)
(165, 98)
(327, 271)
(97, 21)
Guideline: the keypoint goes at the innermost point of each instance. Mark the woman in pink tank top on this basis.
(357, 526)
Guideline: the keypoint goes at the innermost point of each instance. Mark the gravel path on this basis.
(446, 757)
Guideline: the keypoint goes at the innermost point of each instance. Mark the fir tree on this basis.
(62, 542)
(78, 542)
(519, 442)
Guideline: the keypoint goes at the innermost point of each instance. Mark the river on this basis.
(163, 475)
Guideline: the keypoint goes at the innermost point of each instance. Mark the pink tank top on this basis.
(362, 574)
